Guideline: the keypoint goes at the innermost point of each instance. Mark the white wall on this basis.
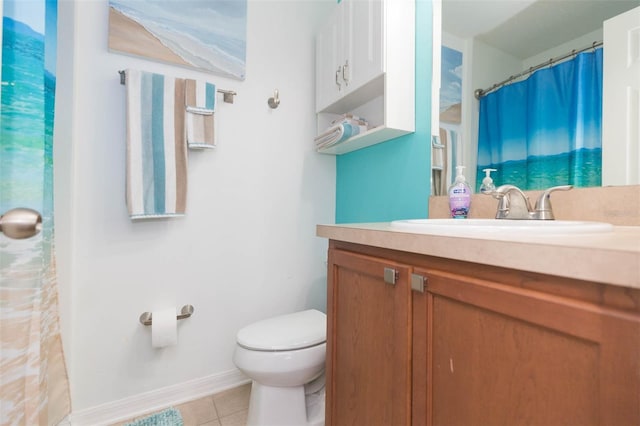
(246, 249)
(562, 49)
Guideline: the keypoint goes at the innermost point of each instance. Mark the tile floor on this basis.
(228, 408)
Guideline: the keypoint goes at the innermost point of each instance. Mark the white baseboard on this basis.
(148, 402)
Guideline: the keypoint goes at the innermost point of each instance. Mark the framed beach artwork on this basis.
(209, 35)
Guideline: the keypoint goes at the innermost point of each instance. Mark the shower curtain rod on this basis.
(480, 92)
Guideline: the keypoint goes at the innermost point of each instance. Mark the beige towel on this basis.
(200, 101)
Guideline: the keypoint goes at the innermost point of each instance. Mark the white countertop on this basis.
(612, 257)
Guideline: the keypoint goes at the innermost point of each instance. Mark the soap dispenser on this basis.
(487, 186)
(459, 196)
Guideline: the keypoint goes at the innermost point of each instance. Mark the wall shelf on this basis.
(372, 137)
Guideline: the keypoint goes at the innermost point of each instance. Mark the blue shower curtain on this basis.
(545, 130)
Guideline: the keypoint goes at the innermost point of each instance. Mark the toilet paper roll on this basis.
(164, 328)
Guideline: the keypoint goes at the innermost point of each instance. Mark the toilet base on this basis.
(283, 406)
(315, 403)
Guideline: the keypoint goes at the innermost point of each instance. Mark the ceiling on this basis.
(524, 28)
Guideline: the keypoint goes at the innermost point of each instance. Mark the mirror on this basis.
(524, 33)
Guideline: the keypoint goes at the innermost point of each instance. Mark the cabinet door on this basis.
(502, 354)
(363, 42)
(368, 367)
(329, 60)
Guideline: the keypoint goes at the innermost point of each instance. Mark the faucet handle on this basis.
(543, 205)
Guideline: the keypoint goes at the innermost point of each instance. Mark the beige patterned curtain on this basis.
(34, 388)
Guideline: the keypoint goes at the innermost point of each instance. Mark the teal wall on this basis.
(391, 180)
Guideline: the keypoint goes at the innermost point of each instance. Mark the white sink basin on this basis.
(484, 226)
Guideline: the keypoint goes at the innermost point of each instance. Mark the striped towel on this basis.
(335, 135)
(156, 150)
(200, 103)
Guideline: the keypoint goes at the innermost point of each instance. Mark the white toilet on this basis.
(284, 356)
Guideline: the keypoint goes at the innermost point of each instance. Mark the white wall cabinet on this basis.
(329, 60)
(365, 56)
(349, 50)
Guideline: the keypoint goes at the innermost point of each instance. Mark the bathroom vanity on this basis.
(478, 330)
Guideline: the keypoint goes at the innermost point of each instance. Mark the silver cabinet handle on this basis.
(338, 76)
(390, 276)
(418, 283)
(345, 73)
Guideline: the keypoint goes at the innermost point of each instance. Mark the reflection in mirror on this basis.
(486, 42)
(447, 149)
(546, 130)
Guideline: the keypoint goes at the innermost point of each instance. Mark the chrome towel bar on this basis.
(187, 310)
(227, 95)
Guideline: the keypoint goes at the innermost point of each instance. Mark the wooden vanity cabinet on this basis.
(368, 341)
(479, 345)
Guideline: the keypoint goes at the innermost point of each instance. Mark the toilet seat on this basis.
(285, 332)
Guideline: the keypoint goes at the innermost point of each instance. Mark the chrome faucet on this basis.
(514, 204)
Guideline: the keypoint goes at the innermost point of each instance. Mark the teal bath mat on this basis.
(168, 417)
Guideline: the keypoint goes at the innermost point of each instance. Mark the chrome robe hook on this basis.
(274, 101)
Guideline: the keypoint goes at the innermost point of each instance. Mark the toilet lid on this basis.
(285, 332)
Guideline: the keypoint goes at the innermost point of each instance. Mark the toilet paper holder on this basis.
(187, 310)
